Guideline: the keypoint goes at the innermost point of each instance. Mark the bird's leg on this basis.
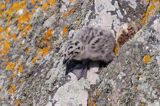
(84, 72)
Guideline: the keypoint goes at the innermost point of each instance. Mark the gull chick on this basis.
(90, 44)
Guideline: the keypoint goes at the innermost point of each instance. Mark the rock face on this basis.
(32, 73)
(132, 79)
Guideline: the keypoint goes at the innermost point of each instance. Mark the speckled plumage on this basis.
(90, 43)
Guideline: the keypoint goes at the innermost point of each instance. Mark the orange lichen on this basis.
(72, 10)
(1, 37)
(20, 26)
(116, 50)
(10, 66)
(16, 6)
(12, 89)
(13, 75)
(45, 6)
(5, 46)
(151, 7)
(13, 37)
(7, 1)
(2, 6)
(48, 34)
(43, 51)
(155, 0)
(51, 2)
(20, 69)
(34, 59)
(24, 29)
(25, 18)
(71, 1)
(65, 31)
(67, 13)
(18, 102)
(146, 15)
(27, 28)
(1, 29)
(146, 59)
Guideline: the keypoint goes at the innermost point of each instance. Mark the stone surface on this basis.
(134, 79)
(31, 37)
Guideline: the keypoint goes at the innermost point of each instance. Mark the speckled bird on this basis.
(90, 44)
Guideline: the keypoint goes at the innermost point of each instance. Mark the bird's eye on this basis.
(76, 43)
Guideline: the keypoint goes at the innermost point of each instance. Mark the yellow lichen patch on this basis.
(45, 6)
(27, 28)
(43, 51)
(65, 31)
(13, 75)
(12, 89)
(151, 7)
(2, 6)
(116, 50)
(155, 0)
(71, 1)
(5, 46)
(20, 27)
(20, 69)
(34, 59)
(150, 10)
(13, 37)
(18, 102)
(10, 66)
(1, 37)
(16, 6)
(67, 13)
(51, 2)
(9, 13)
(7, 1)
(48, 34)
(146, 59)
(1, 29)
(24, 29)
(25, 18)
(72, 10)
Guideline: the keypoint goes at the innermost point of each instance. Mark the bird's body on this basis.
(91, 44)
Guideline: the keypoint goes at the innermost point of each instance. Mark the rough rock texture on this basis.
(132, 79)
(32, 33)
